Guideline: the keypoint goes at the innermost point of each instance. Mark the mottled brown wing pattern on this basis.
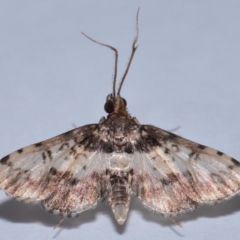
(158, 189)
(177, 174)
(59, 173)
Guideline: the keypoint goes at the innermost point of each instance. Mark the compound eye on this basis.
(109, 106)
(124, 101)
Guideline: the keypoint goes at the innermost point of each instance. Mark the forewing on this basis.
(62, 173)
(176, 174)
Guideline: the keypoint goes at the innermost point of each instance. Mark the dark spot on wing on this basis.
(20, 150)
(72, 151)
(165, 182)
(49, 153)
(235, 162)
(107, 147)
(131, 172)
(84, 167)
(219, 153)
(201, 146)
(166, 151)
(43, 156)
(74, 182)
(38, 144)
(128, 148)
(4, 159)
(172, 177)
(53, 171)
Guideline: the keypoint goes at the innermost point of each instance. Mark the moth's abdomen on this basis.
(119, 197)
(119, 194)
(119, 189)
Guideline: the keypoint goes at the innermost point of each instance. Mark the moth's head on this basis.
(116, 105)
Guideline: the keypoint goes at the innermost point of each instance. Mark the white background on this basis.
(185, 72)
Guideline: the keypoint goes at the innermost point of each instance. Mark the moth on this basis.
(116, 159)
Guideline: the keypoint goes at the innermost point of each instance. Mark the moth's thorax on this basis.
(119, 130)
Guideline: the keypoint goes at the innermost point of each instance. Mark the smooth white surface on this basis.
(185, 72)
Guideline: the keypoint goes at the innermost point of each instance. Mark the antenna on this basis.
(134, 48)
(116, 61)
